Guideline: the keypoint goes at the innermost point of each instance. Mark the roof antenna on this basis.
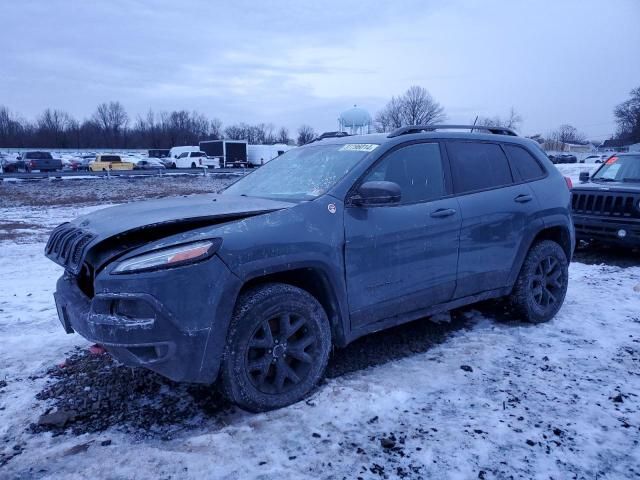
(474, 124)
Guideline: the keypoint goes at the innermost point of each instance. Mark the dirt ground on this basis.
(74, 191)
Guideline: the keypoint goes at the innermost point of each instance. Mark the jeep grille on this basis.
(67, 245)
(610, 204)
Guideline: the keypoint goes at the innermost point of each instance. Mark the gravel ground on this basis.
(90, 392)
(91, 191)
(92, 398)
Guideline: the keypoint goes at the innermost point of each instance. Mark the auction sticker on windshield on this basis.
(358, 147)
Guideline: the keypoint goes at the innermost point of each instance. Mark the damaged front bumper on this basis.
(170, 321)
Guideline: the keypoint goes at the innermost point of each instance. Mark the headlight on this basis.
(169, 257)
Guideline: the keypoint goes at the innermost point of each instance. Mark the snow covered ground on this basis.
(558, 400)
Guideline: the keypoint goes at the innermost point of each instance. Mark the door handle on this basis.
(443, 212)
(524, 198)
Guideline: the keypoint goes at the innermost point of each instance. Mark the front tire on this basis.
(542, 283)
(277, 347)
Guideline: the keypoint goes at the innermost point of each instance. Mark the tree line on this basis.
(110, 126)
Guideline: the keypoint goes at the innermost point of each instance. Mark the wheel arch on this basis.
(557, 233)
(317, 281)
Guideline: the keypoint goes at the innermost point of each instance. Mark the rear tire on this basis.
(277, 347)
(542, 283)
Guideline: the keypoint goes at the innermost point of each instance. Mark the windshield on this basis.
(620, 169)
(302, 173)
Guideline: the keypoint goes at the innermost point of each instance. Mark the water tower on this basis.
(355, 121)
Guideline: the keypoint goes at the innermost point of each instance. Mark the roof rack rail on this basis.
(330, 135)
(431, 128)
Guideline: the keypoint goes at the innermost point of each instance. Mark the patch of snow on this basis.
(538, 401)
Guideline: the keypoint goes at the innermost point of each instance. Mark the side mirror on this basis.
(584, 176)
(377, 193)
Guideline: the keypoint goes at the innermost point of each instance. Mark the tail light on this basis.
(200, 161)
(32, 163)
(569, 182)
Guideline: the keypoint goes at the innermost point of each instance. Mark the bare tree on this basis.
(306, 133)
(390, 117)
(419, 107)
(557, 139)
(415, 107)
(112, 119)
(513, 120)
(215, 129)
(283, 136)
(52, 127)
(12, 129)
(628, 117)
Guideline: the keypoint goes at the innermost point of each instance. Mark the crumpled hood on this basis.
(152, 213)
(117, 229)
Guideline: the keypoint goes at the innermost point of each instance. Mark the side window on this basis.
(183, 154)
(478, 166)
(417, 169)
(524, 163)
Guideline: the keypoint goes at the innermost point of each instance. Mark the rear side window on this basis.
(417, 169)
(526, 166)
(478, 166)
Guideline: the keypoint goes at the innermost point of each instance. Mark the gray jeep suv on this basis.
(326, 243)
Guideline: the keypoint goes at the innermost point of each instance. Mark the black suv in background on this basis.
(324, 244)
(606, 206)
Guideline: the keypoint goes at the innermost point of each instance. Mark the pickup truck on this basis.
(110, 162)
(40, 161)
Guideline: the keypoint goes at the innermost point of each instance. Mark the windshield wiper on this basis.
(631, 179)
(602, 179)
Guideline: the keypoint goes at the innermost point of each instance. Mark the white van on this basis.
(260, 154)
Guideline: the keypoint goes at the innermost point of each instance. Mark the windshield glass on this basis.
(302, 173)
(620, 169)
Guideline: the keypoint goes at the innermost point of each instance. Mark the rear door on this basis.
(497, 212)
(403, 257)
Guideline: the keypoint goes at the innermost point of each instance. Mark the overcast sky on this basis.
(289, 62)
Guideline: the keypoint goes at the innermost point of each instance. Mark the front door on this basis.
(403, 257)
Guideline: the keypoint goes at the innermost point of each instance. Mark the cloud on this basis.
(287, 62)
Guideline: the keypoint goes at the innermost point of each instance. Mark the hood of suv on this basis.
(631, 187)
(120, 228)
(173, 210)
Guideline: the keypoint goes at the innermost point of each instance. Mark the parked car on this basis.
(606, 206)
(12, 165)
(41, 162)
(175, 152)
(563, 158)
(103, 163)
(149, 164)
(191, 159)
(595, 159)
(322, 245)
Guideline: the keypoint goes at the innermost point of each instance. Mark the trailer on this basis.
(229, 153)
(258, 155)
